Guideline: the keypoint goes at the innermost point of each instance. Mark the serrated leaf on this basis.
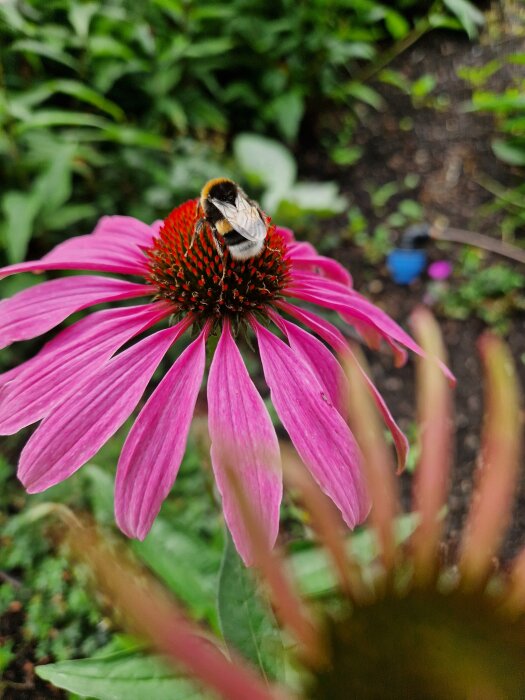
(245, 622)
(265, 162)
(127, 675)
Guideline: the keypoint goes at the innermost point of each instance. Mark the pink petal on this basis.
(352, 305)
(125, 227)
(38, 309)
(320, 435)
(75, 430)
(154, 448)
(305, 264)
(321, 361)
(286, 233)
(68, 360)
(335, 338)
(117, 245)
(243, 446)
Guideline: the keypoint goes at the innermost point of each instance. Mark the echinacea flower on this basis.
(83, 385)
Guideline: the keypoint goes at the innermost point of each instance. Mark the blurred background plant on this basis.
(124, 107)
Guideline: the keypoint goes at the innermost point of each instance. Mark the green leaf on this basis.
(45, 50)
(321, 198)
(53, 187)
(366, 94)
(265, 162)
(470, 17)
(58, 117)
(209, 47)
(80, 16)
(85, 94)
(509, 152)
(127, 675)
(188, 568)
(245, 622)
(129, 136)
(19, 210)
(287, 111)
(313, 569)
(396, 24)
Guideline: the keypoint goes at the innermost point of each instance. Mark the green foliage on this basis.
(493, 293)
(246, 622)
(505, 101)
(129, 674)
(61, 619)
(127, 107)
(393, 209)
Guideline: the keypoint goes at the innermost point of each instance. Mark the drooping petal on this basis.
(154, 448)
(320, 435)
(116, 246)
(322, 362)
(68, 360)
(38, 309)
(75, 430)
(244, 446)
(352, 305)
(332, 335)
(307, 263)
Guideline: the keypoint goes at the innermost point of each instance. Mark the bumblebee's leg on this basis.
(218, 246)
(196, 232)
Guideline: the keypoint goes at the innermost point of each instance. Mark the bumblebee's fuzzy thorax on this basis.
(236, 221)
(198, 279)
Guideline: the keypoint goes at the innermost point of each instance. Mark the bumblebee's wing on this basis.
(244, 217)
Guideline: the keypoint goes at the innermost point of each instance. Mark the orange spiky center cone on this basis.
(197, 279)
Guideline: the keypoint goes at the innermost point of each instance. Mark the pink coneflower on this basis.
(83, 389)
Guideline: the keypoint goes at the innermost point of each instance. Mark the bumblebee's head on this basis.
(220, 188)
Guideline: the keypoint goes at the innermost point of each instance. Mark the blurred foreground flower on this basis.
(408, 626)
(84, 389)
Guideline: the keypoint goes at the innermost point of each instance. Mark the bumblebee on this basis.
(235, 220)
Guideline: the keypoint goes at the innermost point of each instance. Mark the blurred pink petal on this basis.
(243, 446)
(153, 451)
(68, 360)
(318, 432)
(38, 309)
(75, 430)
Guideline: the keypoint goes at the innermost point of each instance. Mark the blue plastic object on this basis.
(406, 265)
